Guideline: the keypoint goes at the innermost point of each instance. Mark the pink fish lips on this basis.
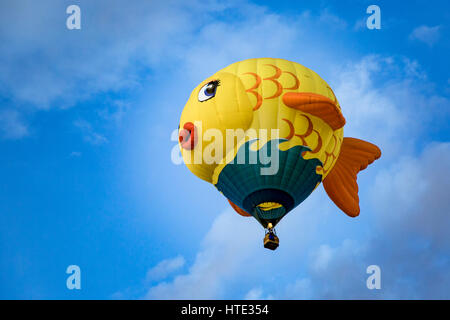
(188, 136)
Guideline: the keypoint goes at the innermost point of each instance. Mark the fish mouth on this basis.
(188, 136)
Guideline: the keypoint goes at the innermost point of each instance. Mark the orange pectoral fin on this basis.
(239, 210)
(340, 184)
(316, 105)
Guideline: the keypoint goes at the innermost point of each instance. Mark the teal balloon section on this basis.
(248, 181)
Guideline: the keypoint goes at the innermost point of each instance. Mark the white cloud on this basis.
(116, 44)
(334, 273)
(411, 196)
(165, 268)
(115, 111)
(254, 294)
(408, 239)
(387, 100)
(65, 67)
(75, 154)
(89, 134)
(300, 289)
(332, 20)
(360, 24)
(257, 294)
(45, 66)
(120, 45)
(12, 125)
(426, 34)
(322, 257)
(224, 251)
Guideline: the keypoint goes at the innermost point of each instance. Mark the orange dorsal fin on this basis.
(239, 210)
(340, 184)
(316, 105)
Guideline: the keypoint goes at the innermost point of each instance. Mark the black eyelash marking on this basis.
(216, 83)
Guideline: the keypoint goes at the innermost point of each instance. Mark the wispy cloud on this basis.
(426, 34)
(115, 111)
(12, 125)
(383, 98)
(408, 239)
(75, 154)
(221, 256)
(165, 268)
(257, 294)
(89, 134)
(411, 195)
(334, 21)
(68, 67)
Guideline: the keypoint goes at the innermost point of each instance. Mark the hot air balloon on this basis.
(286, 125)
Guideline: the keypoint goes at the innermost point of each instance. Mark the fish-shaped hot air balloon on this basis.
(275, 111)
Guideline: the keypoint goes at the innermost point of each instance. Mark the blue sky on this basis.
(86, 118)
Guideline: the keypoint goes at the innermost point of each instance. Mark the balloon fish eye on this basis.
(208, 90)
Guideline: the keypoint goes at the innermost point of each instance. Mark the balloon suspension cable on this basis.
(270, 228)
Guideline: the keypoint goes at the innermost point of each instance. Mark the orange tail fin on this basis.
(340, 184)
